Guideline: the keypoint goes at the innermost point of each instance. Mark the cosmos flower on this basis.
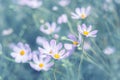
(87, 45)
(64, 3)
(62, 19)
(48, 48)
(40, 40)
(7, 32)
(87, 31)
(54, 50)
(31, 3)
(81, 13)
(41, 62)
(60, 54)
(75, 42)
(21, 53)
(109, 50)
(48, 28)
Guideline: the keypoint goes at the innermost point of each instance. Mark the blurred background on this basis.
(20, 22)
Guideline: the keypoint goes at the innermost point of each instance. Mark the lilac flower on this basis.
(64, 3)
(62, 19)
(49, 28)
(75, 42)
(41, 62)
(21, 52)
(109, 50)
(87, 31)
(81, 13)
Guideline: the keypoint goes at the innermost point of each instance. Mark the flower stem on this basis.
(7, 58)
(54, 73)
(81, 59)
(71, 29)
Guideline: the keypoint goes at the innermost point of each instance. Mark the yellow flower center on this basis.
(75, 43)
(22, 52)
(85, 33)
(83, 16)
(56, 56)
(41, 65)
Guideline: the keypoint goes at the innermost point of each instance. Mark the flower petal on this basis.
(59, 46)
(89, 28)
(53, 43)
(62, 52)
(93, 33)
(47, 59)
(88, 10)
(77, 10)
(68, 46)
(75, 16)
(72, 37)
(80, 29)
(34, 66)
(84, 28)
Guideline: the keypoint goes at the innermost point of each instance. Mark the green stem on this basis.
(7, 58)
(54, 75)
(71, 30)
(100, 59)
(103, 62)
(81, 60)
(90, 59)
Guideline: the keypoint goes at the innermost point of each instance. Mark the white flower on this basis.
(41, 62)
(7, 32)
(64, 3)
(54, 50)
(34, 3)
(49, 48)
(48, 28)
(30, 3)
(60, 54)
(62, 19)
(87, 31)
(81, 13)
(109, 50)
(87, 45)
(40, 40)
(21, 52)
